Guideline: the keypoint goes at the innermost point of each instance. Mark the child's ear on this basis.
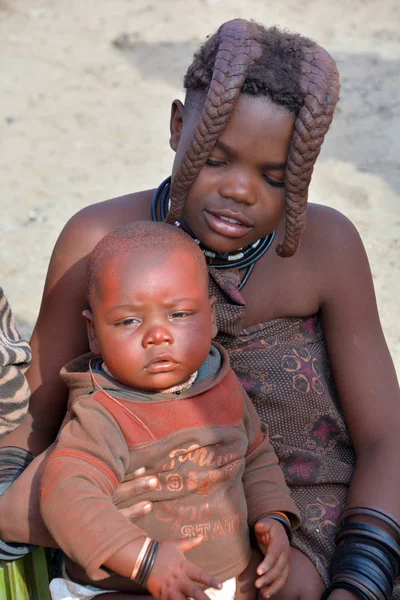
(176, 123)
(91, 331)
(214, 328)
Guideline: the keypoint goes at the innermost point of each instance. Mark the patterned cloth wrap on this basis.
(15, 358)
(284, 367)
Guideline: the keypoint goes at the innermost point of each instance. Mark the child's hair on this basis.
(288, 69)
(140, 237)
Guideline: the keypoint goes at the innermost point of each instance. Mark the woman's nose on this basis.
(239, 186)
(157, 335)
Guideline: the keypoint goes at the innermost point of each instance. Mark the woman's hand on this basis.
(273, 542)
(20, 518)
(127, 491)
(175, 578)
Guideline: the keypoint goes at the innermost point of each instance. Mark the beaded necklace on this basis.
(243, 258)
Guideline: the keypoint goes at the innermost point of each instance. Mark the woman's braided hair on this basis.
(290, 70)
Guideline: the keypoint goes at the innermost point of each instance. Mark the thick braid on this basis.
(237, 48)
(320, 82)
(289, 69)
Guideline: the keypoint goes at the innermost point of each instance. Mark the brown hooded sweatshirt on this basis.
(218, 471)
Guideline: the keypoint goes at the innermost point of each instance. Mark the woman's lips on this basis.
(227, 225)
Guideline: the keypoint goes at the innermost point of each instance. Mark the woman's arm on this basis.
(363, 370)
(59, 334)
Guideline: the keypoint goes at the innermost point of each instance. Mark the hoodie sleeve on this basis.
(78, 486)
(263, 479)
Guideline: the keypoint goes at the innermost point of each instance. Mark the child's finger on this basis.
(268, 562)
(192, 590)
(197, 574)
(269, 575)
(188, 543)
(277, 585)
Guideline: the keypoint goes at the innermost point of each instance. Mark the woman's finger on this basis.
(197, 574)
(134, 487)
(140, 509)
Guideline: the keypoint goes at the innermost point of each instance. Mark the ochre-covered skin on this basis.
(238, 47)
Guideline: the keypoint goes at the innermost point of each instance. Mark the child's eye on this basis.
(127, 322)
(179, 315)
(274, 183)
(214, 163)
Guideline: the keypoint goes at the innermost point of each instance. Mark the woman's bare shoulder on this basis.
(82, 232)
(108, 214)
(331, 238)
(328, 224)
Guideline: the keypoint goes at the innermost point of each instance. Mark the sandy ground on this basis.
(82, 120)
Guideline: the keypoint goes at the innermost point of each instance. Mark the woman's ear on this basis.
(214, 328)
(91, 331)
(176, 123)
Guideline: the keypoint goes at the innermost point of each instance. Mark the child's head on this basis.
(150, 317)
(291, 75)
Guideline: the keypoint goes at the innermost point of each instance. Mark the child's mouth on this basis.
(161, 364)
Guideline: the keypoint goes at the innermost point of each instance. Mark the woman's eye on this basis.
(214, 163)
(279, 184)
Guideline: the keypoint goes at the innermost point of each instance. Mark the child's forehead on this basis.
(145, 263)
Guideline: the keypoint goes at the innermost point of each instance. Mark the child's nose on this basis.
(157, 336)
(238, 185)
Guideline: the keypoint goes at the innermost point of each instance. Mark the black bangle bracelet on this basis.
(145, 571)
(369, 552)
(143, 565)
(371, 511)
(371, 533)
(276, 517)
(147, 564)
(151, 563)
(366, 561)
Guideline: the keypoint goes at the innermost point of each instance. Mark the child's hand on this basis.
(274, 544)
(175, 578)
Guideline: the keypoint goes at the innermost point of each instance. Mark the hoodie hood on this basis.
(84, 376)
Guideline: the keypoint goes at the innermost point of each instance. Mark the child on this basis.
(157, 393)
(303, 334)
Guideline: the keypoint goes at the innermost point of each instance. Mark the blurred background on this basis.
(85, 95)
